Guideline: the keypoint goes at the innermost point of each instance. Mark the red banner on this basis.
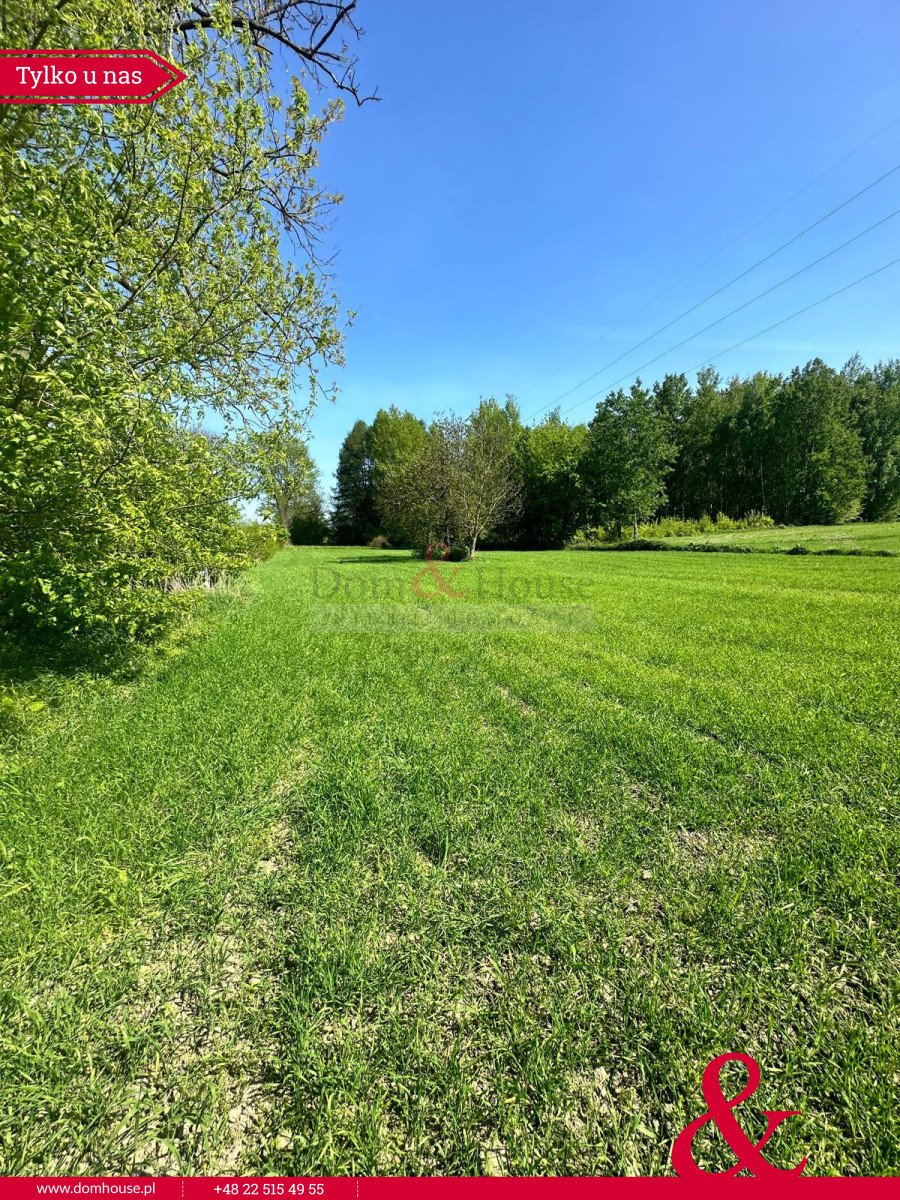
(85, 76)
(444, 1188)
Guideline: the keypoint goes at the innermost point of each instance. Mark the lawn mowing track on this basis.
(362, 883)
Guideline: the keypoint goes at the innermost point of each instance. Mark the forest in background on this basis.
(818, 446)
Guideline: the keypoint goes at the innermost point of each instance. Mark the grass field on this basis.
(857, 536)
(363, 882)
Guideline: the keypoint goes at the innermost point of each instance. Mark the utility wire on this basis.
(753, 299)
(753, 336)
(718, 290)
(704, 262)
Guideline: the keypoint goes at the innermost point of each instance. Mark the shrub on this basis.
(77, 557)
(758, 520)
(585, 539)
(261, 540)
(379, 542)
(668, 527)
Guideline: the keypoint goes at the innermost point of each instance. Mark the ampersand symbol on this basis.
(748, 1154)
(432, 569)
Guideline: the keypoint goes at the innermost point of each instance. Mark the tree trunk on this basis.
(634, 525)
(472, 547)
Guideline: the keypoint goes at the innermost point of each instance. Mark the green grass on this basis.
(858, 536)
(360, 883)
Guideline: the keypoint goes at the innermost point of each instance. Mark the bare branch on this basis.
(306, 28)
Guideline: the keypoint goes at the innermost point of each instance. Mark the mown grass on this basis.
(362, 882)
(856, 536)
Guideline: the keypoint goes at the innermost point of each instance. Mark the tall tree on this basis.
(353, 506)
(693, 485)
(462, 483)
(819, 472)
(418, 494)
(875, 399)
(626, 460)
(283, 474)
(749, 419)
(395, 438)
(552, 493)
(486, 484)
(309, 526)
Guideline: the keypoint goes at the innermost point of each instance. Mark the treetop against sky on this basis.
(518, 195)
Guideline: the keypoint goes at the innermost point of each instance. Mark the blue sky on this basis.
(534, 174)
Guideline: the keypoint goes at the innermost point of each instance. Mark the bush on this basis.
(121, 560)
(758, 520)
(668, 527)
(586, 539)
(379, 542)
(261, 540)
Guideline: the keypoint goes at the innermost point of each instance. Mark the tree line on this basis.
(816, 446)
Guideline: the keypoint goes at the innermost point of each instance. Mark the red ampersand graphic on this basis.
(432, 569)
(748, 1153)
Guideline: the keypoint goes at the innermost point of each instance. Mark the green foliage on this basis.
(819, 472)
(155, 277)
(626, 460)
(353, 508)
(282, 473)
(552, 493)
(309, 527)
(667, 527)
(261, 539)
(486, 486)
(104, 502)
(819, 446)
(787, 447)
(394, 439)
(875, 401)
(462, 483)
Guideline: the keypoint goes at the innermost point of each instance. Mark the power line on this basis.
(718, 290)
(716, 253)
(753, 299)
(753, 336)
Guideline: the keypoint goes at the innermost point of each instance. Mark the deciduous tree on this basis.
(626, 459)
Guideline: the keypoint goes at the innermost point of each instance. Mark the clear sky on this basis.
(535, 173)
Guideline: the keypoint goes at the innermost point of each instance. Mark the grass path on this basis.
(359, 884)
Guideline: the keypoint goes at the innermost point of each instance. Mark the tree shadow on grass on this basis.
(396, 557)
(25, 657)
